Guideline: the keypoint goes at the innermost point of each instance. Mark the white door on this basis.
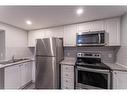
(97, 25)
(112, 27)
(119, 80)
(23, 74)
(70, 35)
(33, 35)
(26, 73)
(12, 77)
(57, 32)
(84, 27)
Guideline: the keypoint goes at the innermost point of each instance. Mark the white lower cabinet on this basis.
(12, 77)
(67, 77)
(17, 76)
(119, 80)
(26, 73)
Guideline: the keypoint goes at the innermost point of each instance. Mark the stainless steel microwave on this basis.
(93, 38)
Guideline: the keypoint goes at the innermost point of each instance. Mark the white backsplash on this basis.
(18, 52)
(108, 54)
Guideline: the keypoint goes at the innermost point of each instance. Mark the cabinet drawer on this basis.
(67, 87)
(67, 74)
(67, 68)
(67, 83)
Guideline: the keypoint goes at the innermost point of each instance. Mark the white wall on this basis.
(122, 53)
(15, 42)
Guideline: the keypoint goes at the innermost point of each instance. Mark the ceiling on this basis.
(49, 16)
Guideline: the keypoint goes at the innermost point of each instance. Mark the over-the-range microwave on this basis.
(92, 38)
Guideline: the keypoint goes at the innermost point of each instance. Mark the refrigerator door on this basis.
(59, 50)
(46, 47)
(46, 73)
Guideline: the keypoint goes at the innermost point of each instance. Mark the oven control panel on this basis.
(89, 55)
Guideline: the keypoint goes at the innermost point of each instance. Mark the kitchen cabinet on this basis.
(44, 33)
(57, 32)
(91, 26)
(12, 77)
(67, 77)
(68, 32)
(33, 35)
(112, 27)
(119, 79)
(70, 35)
(17, 76)
(26, 73)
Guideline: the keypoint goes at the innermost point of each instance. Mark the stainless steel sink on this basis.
(11, 61)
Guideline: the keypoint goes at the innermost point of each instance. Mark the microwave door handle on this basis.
(99, 36)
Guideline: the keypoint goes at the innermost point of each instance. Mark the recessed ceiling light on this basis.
(28, 22)
(79, 11)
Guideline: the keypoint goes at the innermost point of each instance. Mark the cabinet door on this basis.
(112, 27)
(97, 25)
(84, 27)
(12, 77)
(26, 73)
(57, 32)
(91, 26)
(33, 35)
(67, 77)
(70, 35)
(119, 80)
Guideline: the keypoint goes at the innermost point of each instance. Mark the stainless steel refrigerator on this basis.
(49, 53)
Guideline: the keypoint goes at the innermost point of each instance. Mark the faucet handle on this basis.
(13, 57)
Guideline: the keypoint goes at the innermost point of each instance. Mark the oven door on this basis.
(89, 78)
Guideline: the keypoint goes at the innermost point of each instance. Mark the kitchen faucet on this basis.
(13, 58)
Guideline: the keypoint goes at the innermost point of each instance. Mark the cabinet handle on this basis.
(66, 74)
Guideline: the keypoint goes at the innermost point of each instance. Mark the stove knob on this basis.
(79, 55)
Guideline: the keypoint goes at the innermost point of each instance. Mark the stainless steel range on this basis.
(91, 73)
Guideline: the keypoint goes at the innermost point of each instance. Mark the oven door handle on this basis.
(99, 37)
(92, 70)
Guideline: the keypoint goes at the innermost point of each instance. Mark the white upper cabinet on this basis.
(70, 35)
(58, 32)
(44, 33)
(112, 27)
(84, 27)
(33, 35)
(97, 25)
(91, 26)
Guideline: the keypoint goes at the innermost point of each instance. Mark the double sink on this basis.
(12, 61)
